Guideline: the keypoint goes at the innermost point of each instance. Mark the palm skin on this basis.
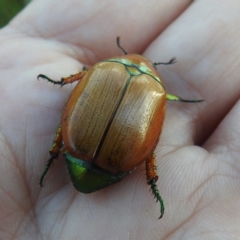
(197, 156)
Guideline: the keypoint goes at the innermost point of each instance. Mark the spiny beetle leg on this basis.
(152, 178)
(67, 80)
(54, 152)
(172, 97)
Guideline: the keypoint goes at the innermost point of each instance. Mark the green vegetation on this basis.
(9, 8)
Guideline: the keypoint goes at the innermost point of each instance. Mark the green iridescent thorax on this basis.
(86, 177)
(136, 69)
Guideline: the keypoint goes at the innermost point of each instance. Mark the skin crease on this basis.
(200, 184)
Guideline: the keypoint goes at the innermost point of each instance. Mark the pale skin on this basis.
(197, 157)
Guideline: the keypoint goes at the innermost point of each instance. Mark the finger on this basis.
(208, 64)
(94, 26)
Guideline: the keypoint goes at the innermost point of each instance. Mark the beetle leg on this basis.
(67, 80)
(172, 61)
(172, 97)
(152, 178)
(54, 152)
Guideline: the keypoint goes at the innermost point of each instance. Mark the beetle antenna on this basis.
(172, 61)
(61, 82)
(118, 44)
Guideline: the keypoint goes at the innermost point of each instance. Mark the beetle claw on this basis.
(172, 61)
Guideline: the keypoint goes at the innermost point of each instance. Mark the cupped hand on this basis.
(198, 153)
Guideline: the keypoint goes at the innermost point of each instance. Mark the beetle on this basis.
(112, 122)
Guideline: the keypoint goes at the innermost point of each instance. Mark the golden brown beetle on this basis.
(112, 122)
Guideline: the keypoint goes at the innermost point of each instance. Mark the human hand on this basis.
(199, 183)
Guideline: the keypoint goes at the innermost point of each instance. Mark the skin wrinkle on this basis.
(201, 185)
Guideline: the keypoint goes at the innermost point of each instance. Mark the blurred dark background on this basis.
(9, 8)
